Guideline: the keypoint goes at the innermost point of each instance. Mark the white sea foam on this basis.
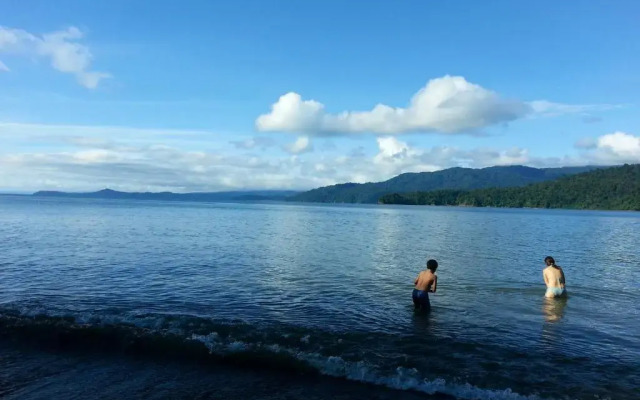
(335, 366)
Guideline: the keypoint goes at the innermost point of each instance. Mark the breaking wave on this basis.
(194, 339)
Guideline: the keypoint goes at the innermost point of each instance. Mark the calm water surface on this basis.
(331, 286)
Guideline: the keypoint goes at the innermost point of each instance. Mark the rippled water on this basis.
(331, 286)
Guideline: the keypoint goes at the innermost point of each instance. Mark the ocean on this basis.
(144, 299)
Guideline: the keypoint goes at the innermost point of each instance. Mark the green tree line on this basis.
(616, 188)
(448, 179)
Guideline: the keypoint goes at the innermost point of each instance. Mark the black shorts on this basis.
(421, 299)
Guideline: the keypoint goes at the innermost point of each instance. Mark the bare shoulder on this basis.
(550, 272)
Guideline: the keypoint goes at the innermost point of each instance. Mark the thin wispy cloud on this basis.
(550, 109)
(586, 143)
(40, 132)
(260, 142)
(61, 48)
(590, 119)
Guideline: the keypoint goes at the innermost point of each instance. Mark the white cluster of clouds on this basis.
(449, 104)
(91, 159)
(395, 157)
(61, 48)
(614, 148)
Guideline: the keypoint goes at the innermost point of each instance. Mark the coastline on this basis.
(507, 208)
(30, 373)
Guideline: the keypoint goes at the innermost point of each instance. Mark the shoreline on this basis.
(30, 373)
(309, 203)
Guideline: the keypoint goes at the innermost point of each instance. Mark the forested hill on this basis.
(616, 188)
(453, 178)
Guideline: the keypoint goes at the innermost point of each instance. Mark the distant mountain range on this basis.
(615, 188)
(255, 195)
(461, 179)
(452, 178)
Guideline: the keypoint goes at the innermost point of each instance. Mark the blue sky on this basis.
(204, 95)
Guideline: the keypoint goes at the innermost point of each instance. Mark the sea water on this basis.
(327, 289)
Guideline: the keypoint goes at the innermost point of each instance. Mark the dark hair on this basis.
(549, 260)
(432, 265)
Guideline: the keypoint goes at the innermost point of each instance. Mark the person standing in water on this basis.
(554, 278)
(426, 282)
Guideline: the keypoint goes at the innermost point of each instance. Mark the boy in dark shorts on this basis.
(426, 282)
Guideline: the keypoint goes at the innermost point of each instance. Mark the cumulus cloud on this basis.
(449, 104)
(61, 48)
(392, 148)
(620, 145)
(610, 149)
(395, 157)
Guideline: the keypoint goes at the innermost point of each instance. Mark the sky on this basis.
(199, 95)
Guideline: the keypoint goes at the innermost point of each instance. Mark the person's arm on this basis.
(562, 276)
(435, 284)
(546, 280)
(416, 281)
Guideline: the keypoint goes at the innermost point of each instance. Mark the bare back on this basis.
(426, 281)
(554, 276)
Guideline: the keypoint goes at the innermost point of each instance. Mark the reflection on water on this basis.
(553, 308)
(552, 335)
